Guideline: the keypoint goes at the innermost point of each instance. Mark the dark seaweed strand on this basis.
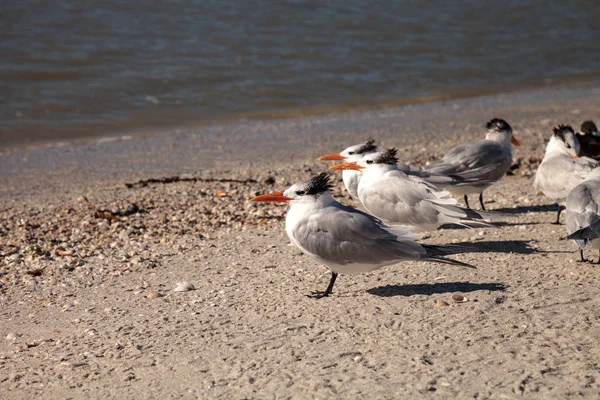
(318, 184)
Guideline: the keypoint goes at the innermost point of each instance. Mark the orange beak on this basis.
(275, 196)
(514, 141)
(573, 156)
(332, 157)
(347, 165)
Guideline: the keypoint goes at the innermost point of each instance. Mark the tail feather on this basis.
(443, 260)
(586, 233)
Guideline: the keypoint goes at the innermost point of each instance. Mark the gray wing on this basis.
(343, 235)
(401, 199)
(490, 159)
(583, 211)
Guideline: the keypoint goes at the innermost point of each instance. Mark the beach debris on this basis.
(184, 287)
(63, 252)
(459, 298)
(221, 193)
(14, 258)
(152, 99)
(441, 303)
(153, 295)
(35, 272)
(82, 199)
(175, 179)
(116, 214)
(11, 336)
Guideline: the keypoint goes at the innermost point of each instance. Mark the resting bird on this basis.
(583, 213)
(397, 198)
(589, 140)
(354, 153)
(345, 239)
(493, 152)
(561, 168)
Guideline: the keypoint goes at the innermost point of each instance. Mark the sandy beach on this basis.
(94, 240)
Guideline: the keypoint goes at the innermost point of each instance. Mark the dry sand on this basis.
(78, 262)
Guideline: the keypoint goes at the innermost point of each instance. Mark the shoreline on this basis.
(578, 80)
(223, 147)
(88, 268)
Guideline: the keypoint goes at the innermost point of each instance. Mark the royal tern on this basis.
(352, 153)
(583, 213)
(589, 140)
(355, 153)
(345, 239)
(561, 168)
(494, 152)
(397, 198)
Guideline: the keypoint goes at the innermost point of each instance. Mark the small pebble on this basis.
(11, 336)
(358, 359)
(153, 295)
(441, 303)
(184, 287)
(459, 298)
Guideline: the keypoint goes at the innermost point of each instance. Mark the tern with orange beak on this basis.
(350, 154)
(351, 177)
(399, 199)
(347, 240)
(561, 168)
(493, 152)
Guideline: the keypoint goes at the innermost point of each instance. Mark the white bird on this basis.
(494, 152)
(345, 239)
(355, 153)
(583, 213)
(352, 153)
(397, 198)
(561, 168)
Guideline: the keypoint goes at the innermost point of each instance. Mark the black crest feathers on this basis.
(388, 157)
(560, 131)
(368, 147)
(498, 124)
(318, 184)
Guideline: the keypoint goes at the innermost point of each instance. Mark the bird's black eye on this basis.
(369, 161)
(568, 145)
(351, 152)
(300, 192)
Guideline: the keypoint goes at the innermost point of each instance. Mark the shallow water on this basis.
(73, 69)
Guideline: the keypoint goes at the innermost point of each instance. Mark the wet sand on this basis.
(82, 252)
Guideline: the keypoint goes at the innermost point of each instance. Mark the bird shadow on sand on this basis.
(498, 246)
(434, 288)
(503, 246)
(527, 209)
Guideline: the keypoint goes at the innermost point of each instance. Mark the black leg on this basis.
(558, 214)
(598, 262)
(467, 201)
(581, 254)
(319, 295)
(481, 201)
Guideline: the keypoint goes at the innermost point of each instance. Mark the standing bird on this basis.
(583, 213)
(355, 153)
(589, 140)
(493, 152)
(561, 168)
(397, 198)
(345, 239)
